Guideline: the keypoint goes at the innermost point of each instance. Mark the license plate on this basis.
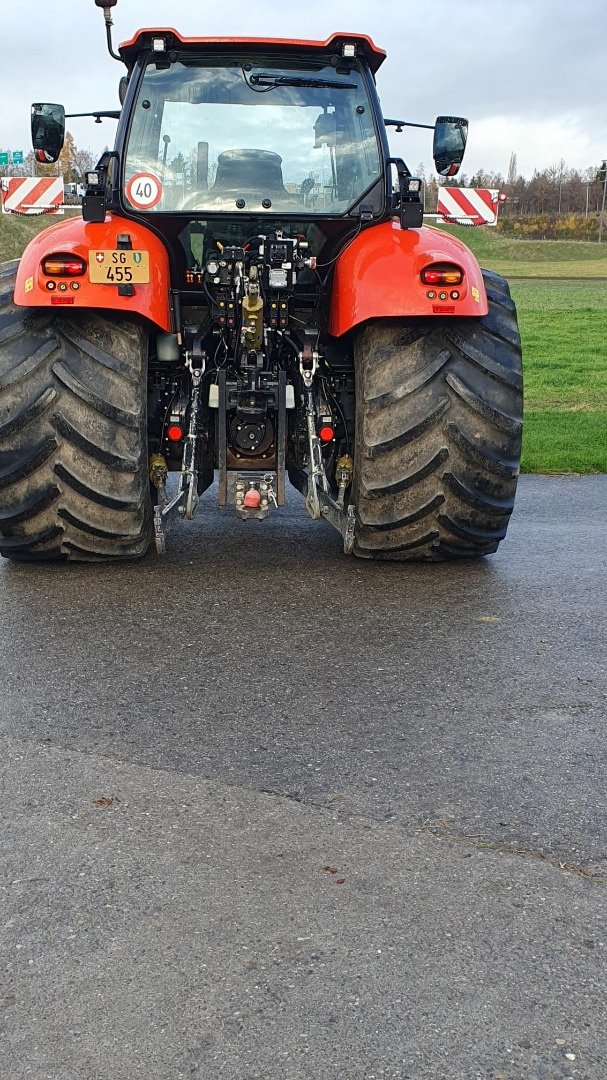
(119, 267)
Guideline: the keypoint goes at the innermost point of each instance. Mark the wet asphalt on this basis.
(268, 811)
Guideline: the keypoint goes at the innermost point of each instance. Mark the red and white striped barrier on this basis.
(32, 194)
(468, 206)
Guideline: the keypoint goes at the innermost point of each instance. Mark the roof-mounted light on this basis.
(348, 49)
(159, 44)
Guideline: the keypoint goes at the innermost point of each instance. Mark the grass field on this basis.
(16, 232)
(564, 331)
(563, 327)
(533, 258)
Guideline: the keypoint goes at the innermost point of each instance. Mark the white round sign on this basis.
(144, 191)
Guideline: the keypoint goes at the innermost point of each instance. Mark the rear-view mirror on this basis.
(48, 131)
(450, 135)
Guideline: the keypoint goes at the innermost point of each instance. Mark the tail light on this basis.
(442, 274)
(175, 433)
(63, 266)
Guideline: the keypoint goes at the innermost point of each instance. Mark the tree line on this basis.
(553, 202)
(556, 190)
(72, 165)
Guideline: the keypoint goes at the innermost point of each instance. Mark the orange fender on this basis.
(378, 275)
(78, 237)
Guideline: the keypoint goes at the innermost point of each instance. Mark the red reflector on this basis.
(175, 433)
(63, 266)
(442, 274)
(326, 434)
(443, 309)
(62, 300)
(252, 499)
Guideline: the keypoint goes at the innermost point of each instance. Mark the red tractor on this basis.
(250, 296)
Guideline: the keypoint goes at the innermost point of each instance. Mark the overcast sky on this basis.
(529, 74)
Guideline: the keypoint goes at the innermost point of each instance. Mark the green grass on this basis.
(563, 327)
(564, 332)
(16, 232)
(565, 442)
(533, 258)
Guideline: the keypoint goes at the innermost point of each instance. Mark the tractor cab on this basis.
(270, 132)
(224, 141)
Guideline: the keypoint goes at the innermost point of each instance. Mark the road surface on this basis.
(269, 812)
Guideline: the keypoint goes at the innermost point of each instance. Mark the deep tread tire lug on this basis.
(73, 446)
(438, 443)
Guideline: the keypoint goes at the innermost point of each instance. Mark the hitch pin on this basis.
(195, 372)
(308, 370)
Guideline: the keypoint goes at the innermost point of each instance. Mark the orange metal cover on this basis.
(78, 237)
(374, 55)
(378, 276)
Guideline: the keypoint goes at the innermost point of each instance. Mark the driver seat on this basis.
(258, 171)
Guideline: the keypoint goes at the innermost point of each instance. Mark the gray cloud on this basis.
(527, 71)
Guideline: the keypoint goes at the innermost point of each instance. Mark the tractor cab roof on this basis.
(142, 42)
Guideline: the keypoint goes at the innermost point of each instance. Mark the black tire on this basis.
(438, 432)
(73, 436)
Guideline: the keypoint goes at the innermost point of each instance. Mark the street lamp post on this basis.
(603, 177)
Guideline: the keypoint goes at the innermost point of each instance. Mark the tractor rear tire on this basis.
(73, 434)
(438, 433)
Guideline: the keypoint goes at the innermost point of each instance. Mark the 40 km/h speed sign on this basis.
(144, 191)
